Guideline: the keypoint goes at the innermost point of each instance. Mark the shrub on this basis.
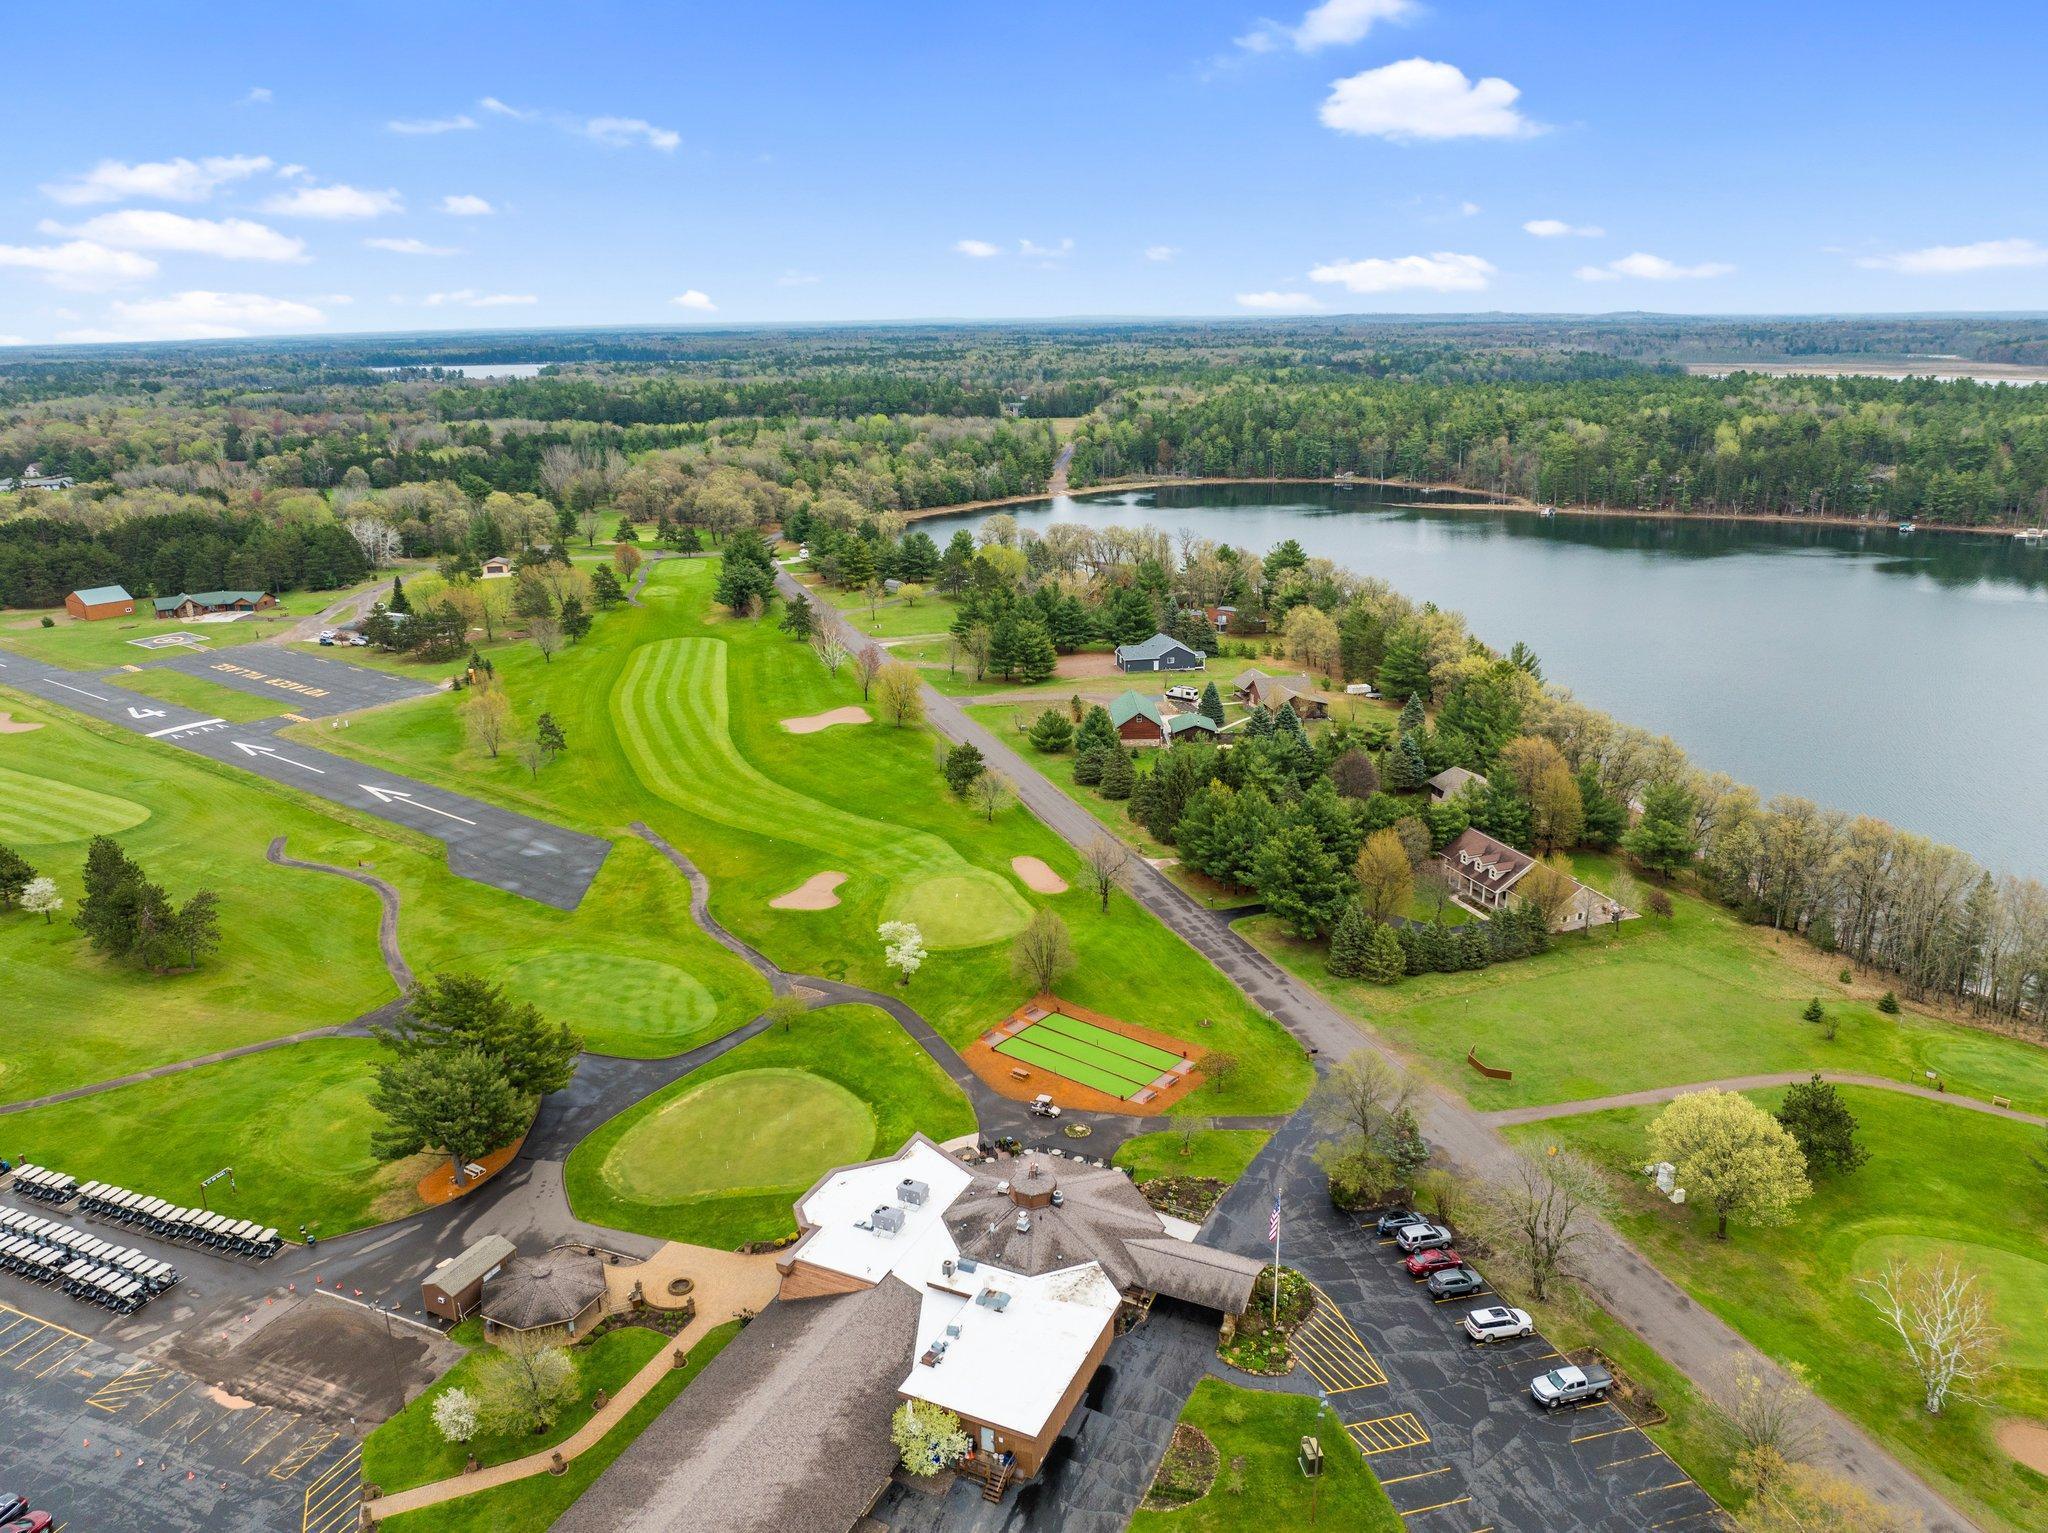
(1888, 1003)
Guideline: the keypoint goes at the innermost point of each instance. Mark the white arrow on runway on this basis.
(146, 713)
(264, 750)
(386, 795)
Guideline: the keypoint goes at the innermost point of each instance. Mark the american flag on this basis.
(1273, 1224)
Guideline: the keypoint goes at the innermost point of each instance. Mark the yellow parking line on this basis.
(1420, 1474)
(48, 1325)
(1610, 1432)
(1460, 1501)
(1388, 1434)
(1654, 1489)
(1655, 1452)
(64, 1361)
(57, 1340)
(282, 1427)
(302, 1454)
(331, 1501)
(1330, 1350)
(167, 1400)
(1710, 1511)
(114, 1395)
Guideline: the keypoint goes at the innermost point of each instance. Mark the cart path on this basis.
(700, 910)
(1543, 1112)
(387, 922)
(1698, 1343)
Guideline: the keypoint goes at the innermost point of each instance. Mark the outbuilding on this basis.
(497, 567)
(456, 1287)
(1452, 781)
(557, 1298)
(1161, 652)
(95, 602)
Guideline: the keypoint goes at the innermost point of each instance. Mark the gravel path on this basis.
(1543, 1112)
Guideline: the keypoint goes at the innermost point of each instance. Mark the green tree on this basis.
(1814, 1113)
(605, 589)
(1733, 1157)
(1413, 714)
(16, 874)
(1405, 665)
(1212, 705)
(1051, 732)
(1663, 840)
(399, 602)
(963, 764)
(1386, 960)
(797, 620)
(548, 735)
(1118, 776)
(1300, 882)
(1033, 657)
(927, 1437)
(456, 1101)
(1351, 943)
(1606, 816)
(575, 621)
(449, 1012)
(1407, 770)
(1089, 763)
(1097, 729)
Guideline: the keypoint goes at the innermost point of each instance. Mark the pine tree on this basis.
(1260, 725)
(1404, 666)
(1407, 771)
(1199, 835)
(856, 564)
(605, 588)
(1212, 705)
(399, 602)
(16, 874)
(1088, 765)
(797, 619)
(1662, 840)
(1097, 730)
(1288, 724)
(1051, 732)
(1118, 776)
(1413, 716)
(963, 764)
(1301, 883)
(1814, 1114)
(1351, 943)
(1035, 657)
(1386, 961)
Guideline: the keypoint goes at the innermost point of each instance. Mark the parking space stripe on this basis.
(1330, 1350)
(1610, 1432)
(1420, 1474)
(276, 1432)
(66, 1360)
(1388, 1434)
(1460, 1501)
(332, 1501)
(1654, 1489)
(115, 1395)
(303, 1453)
(1654, 1452)
(1708, 1511)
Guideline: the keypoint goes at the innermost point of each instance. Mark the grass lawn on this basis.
(98, 645)
(197, 692)
(717, 1158)
(1222, 1153)
(294, 1123)
(1425, 911)
(534, 1503)
(1258, 1483)
(1792, 1292)
(1699, 997)
(673, 713)
(408, 1450)
(892, 618)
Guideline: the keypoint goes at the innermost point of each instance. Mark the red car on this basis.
(1423, 1263)
(34, 1522)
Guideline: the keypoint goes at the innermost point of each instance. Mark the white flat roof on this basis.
(1009, 1367)
(839, 1208)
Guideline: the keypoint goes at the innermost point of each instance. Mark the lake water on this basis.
(1900, 675)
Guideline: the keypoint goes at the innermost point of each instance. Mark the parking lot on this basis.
(1447, 1424)
(104, 1440)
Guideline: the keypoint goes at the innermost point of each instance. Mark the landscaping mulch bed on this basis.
(1184, 1197)
(1253, 1342)
(1186, 1473)
(1630, 1397)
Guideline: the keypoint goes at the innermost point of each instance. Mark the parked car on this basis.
(326, 641)
(1455, 1283)
(12, 1509)
(1423, 1263)
(1421, 1237)
(1395, 1219)
(1571, 1386)
(1183, 695)
(1498, 1324)
(1043, 1106)
(34, 1522)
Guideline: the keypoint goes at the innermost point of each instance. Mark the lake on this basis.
(1899, 675)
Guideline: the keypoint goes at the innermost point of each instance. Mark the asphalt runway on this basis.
(313, 686)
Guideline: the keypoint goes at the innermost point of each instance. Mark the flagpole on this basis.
(1276, 1253)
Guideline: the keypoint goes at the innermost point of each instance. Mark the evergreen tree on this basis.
(1413, 715)
(1212, 705)
(605, 589)
(1198, 834)
(456, 1101)
(1404, 666)
(1176, 777)
(1407, 771)
(627, 532)
(1051, 732)
(1129, 617)
(1260, 725)
(1089, 763)
(575, 621)
(963, 764)
(1097, 730)
(1814, 1114)
(15, 875)
(1351, 943)
(856, 564)
(399, 602)
(1288, 724)
(1503, 814)
(1662, 840)
(1385, 958)
(1118, 776)
(1358, 645)
(1300, 883)
(955, 563)
(918, 557)
(797, 619)
(1335, 828)
(547, 734)
(449, 1013)
(1035, 657)
(1606, 816)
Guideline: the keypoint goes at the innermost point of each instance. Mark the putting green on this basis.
(36, 811)
(674, 718)
(2016, 1282)
(638, 1007)
(321, 1130)
(753, 1131)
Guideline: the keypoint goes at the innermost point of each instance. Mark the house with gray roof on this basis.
(187, 604)
(1452, 781)
(1161, 652)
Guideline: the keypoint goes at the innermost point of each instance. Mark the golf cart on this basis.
(1043, 1106)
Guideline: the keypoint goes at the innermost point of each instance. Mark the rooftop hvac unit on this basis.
(946, 1267)
(953, 1330)
(887, 1221)
(969, 1264)
(1059, 1200)
(1003, 1188)
(993, 1298)
(1023, 1222)
(912, 1192)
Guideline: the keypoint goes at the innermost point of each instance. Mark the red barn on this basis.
(96, 602)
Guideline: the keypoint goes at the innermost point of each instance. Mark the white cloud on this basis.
(470, 298)
(798, 279)
(1652, 268)
(981, 250)
(199, 315)
(1557, 229)
(336, 201)
(1278, 302)
(1045, 255)
(231, 239)
(1445, 271)
(695, 298)
(293, 173)
(1946, 260)
(460, 122)
(410, 246)
(179, 180)
(79, 265)
(464, 205)
(623, 132)
(14, 340)
(1420, 99)
(1161, 252)
(1334, 23)
(259, 95)
(1470, 209)
(493, 104)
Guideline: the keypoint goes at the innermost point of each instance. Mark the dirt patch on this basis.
(1185, 1197)
(10, 725)
(1038, 878)
(2027, 1442)
(812, 723)
(818, 892)
(1088, 665)
(1187, 1471)
(438, 1185)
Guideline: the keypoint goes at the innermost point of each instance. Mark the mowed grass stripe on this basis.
(1148, 1054)
(40, 810)
(1087, 1072)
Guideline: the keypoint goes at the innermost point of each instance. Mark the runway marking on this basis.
(1387, 1434)
(303, 1453)
(1329, 1349)
(178, 729)
(79, 690)
(332, 1501)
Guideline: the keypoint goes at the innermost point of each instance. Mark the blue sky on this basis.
(172, 171)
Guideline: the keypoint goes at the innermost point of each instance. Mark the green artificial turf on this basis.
(293, 1122)
(532, 1504)
(1221, 1153)
(1933, 1169)
(855, 1052)
(1104, 1041)
(210, 697)
(752, 1131)
(409, 1449)
(1102, 1072)
(1259, 1485)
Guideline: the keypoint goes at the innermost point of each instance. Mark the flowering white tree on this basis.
(455, 1415)
(377, 539)
(40, 897)
(902, 947)
(928, 1437)
(1943, 1319)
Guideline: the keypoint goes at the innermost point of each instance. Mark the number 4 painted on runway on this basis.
(146, 713)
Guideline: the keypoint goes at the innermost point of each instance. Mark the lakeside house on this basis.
(91, 603)
(1256, 689)
(989, 1290)
(1161, 652)
(191, 604)
(1452, 781)
(1483, 872)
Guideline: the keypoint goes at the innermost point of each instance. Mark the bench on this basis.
(1019, 1075)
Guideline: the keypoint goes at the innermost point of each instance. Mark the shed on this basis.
(1161, 652)
(92, 603)
(497, 567)
(1452, 781)
(1190, 726)
(557, 1297)
(456, 1287)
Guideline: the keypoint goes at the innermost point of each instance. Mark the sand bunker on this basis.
(10, 725)
(2026, 1441)
(817, 721)
(818, 892)
(1038, 878)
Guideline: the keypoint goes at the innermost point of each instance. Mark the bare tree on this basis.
(546, 633)
(487, 717)
(867, 665)
(1357, 1097)
(990, 793)
(902, 692)
(377, 539)
(1543, 1209)
(1108, 861)
(1943, 1320)
(830, 652)
(1773, 1411)
(1043, 952)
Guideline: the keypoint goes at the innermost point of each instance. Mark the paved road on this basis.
(508, 851)
(1698, 1343)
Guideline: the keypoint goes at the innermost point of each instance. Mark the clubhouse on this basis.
(190, 604)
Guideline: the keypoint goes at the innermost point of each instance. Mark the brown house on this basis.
(95, 602)
(456, 1287)
(189, 604)
(1138, 720)
(1483, 872)
(1257, 690)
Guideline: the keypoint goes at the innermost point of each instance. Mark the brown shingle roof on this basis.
(1494, 863)
(531, 1291)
